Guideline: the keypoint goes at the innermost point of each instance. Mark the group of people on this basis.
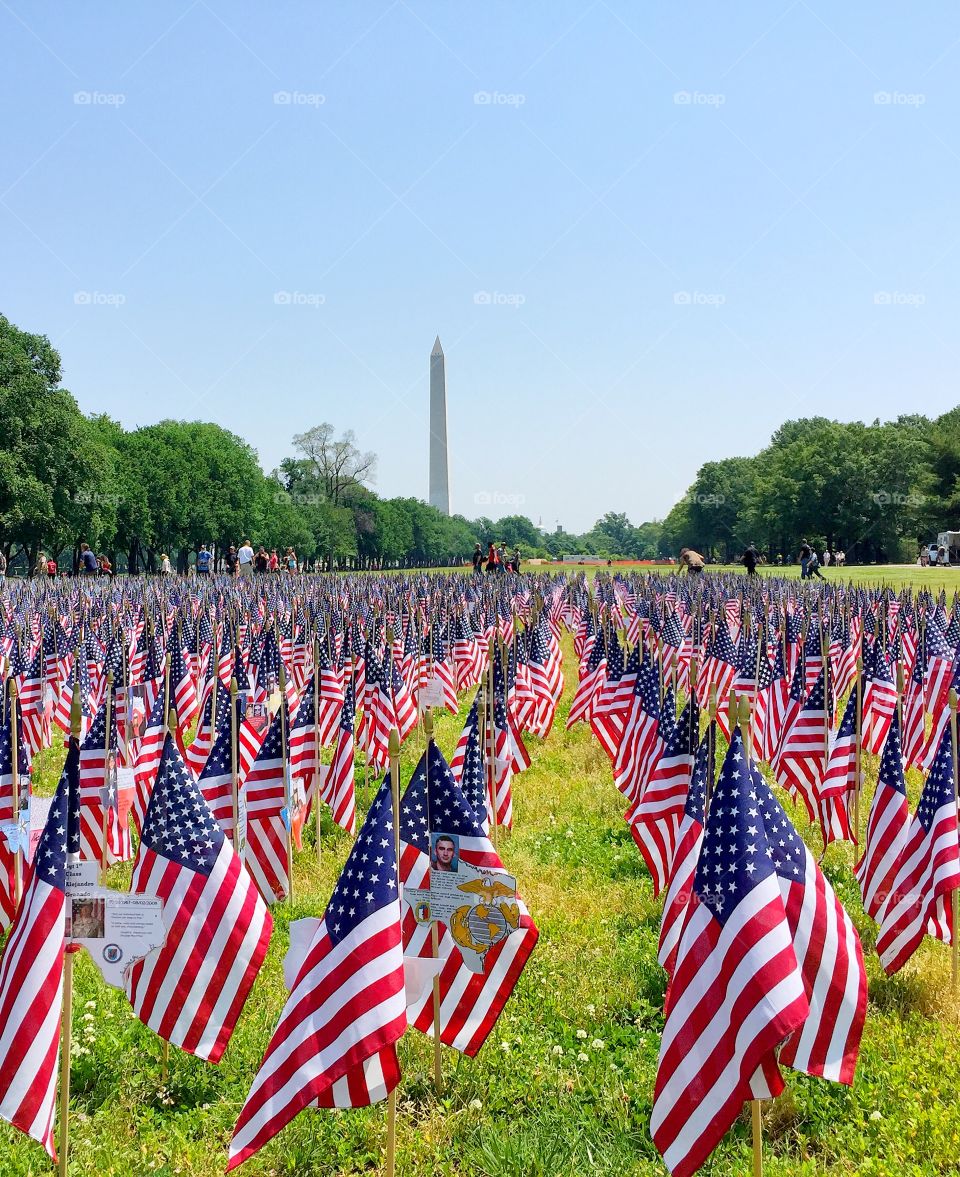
(90, 564)
(693, 562)
(497, 559)
(244, 561)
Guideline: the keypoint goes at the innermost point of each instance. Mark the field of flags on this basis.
(213, 730)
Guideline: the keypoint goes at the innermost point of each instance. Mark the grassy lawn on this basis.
(566, 1079)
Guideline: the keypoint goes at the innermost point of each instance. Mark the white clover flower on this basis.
(583, 1058)
(598, 1044)
(558, 1050)
(90, 1005)
(876, 1115)
(591, 1009)
(569, 834)
(89, 1018)
(581, 1033)
(505, 1047)
(476, 1105)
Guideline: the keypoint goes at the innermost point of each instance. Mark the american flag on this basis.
(216, 777)
(929, 870)
(590, 685)
(737, 989)
(93, 780)
(887, 829)
(879, 699)
(656, 816)
(914, 718)
(470, 1003)
(8, 905)
(147, 759)
(686, 854)
(827, 948)
(336, 1039)
(191, 990)
(265, 852)
(800, 762)
(840, 780)
(339, 789)
(31, 970)
(767, 953)
(183, 693)
(330, 702)
(640, 744)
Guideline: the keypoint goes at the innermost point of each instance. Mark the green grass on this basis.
(566, 1079)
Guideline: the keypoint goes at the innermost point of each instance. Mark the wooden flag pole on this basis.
(858, 754)
(15, 783)
(394, 749)
(316, 745)
(434, 932)
(492, 746)
(66, 1013)
(234, 756)
(712, 737)
(104, 833)
(955, 897)
(755, 1117)
(287, 781)
(165, 1047)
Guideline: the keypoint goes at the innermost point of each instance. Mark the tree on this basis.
(335, 463)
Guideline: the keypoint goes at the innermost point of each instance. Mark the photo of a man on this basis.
(445, 854)
(88, 917)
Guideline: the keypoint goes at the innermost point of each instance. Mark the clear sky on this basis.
(646, 234)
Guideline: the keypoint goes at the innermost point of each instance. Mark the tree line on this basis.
(877, 491)
(168, 488)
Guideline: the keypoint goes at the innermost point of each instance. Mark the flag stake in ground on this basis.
(15, 785)
(287, 780)
(955, 897)
(66, 1015)
(394, 747)
(104, 833)
(316, 746)
(434, 933)
(234, 756)
(743, 715)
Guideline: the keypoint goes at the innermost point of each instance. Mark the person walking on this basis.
(477, 560)
(164, 564)
(827, 557)
(805, 552)
(493, 557)
(230, 561)
(51, 567)
(750, 559)
(245, 558)
(203, 561)
(291, 561)
(813, 567)
(273, 564)
(261, 560)
(40, 568)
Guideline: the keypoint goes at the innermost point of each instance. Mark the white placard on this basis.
(116, 928)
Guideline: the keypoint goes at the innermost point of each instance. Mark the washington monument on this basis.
(439, 474)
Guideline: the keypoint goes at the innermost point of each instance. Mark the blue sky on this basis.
(646, 235)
